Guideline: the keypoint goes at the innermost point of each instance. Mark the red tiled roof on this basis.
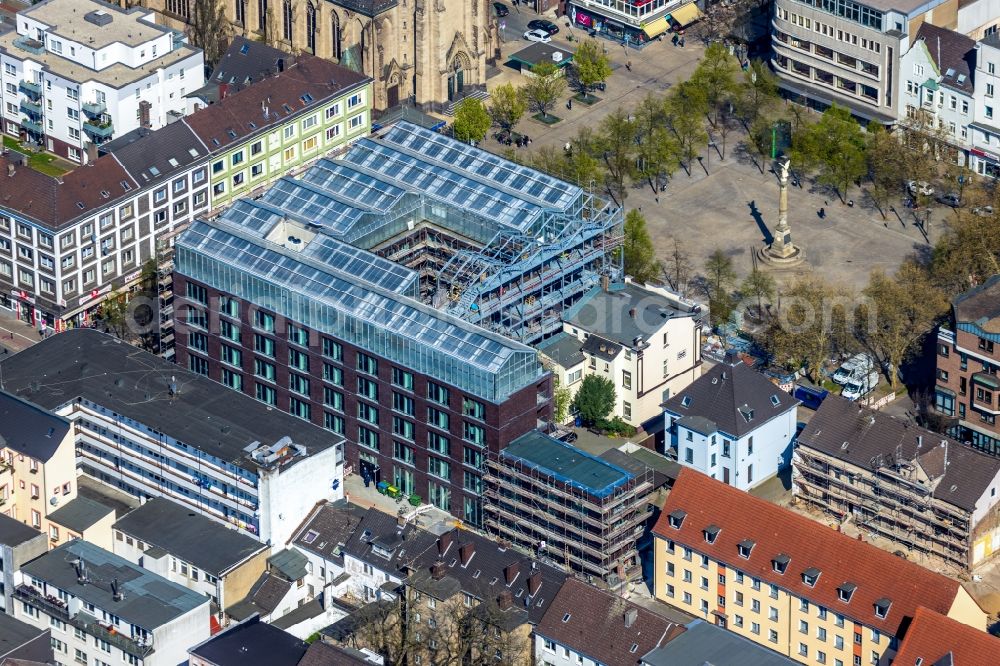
(55, 201)
(776, 530)
(238, 116)
(596, 625)
(931, 636)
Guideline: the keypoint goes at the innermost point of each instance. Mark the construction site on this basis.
(489, 241)
(568, 507)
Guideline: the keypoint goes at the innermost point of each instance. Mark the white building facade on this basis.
(79, 72)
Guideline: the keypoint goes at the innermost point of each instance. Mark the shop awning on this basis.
(655, 28)
(686, 14)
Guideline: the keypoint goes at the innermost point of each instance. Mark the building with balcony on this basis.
(732, 424)
(937, 88)
(848, 53)
(19, 543)
(37, 463)
(191, 550)
(967, 391)
(646, 340)
(574, 509)
(101, 607)
(789, 583)
(67, 243)
(79, 72)
(925, 492)
(411, 271)
(216, 452)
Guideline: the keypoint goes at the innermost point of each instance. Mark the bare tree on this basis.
(209, 29)
(677, 268)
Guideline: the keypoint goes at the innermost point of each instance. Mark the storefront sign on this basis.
(23, 295)
(94, 294)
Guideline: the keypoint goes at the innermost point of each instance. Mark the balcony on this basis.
(94, 108)
(31, 108)
(33, 127)
(99, 129)
(30, 88)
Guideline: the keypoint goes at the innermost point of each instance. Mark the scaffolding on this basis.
(887, 500)
(593, 531)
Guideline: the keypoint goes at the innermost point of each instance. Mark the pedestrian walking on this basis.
(569, 104)
(822, 213)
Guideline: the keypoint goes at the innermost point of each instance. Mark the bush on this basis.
(616, 427)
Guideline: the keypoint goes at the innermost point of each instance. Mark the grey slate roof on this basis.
(14, 633)
(290, 563)
(608, 314)
(604, 349)
(263, 598)
(13, 532)
(735, 398)
(150, 156)
(321, 653)
(251, 639)
(306, 611)
(564, 349)
(380, 530)
(29, 429)
(870, 433)
(980, 305)
(150, 600)
(88, 364)
(80, 513)
(247, 61)
(187, 535)
(953, 51)
(704, 643)
(327, 530)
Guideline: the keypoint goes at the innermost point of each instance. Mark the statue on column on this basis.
(781, 251)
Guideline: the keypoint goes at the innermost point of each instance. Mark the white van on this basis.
(856, 365)
(860, 385)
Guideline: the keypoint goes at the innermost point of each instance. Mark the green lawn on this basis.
(43, 162)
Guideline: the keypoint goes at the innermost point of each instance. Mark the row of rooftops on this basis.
(145, 158)
(807, 559)
(83, 364)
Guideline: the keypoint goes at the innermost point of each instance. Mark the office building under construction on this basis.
(569, 507)
(929, 494)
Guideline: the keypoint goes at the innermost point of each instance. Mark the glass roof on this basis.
(247, 216)
(398, 314)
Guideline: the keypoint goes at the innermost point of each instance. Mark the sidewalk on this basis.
(15, 335)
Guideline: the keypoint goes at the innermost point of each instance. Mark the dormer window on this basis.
(882, 607)
(711, 533)
(780, 563)
(676, 518)
(810, 576)
(846, 591)
(745, 547)
(747, 413)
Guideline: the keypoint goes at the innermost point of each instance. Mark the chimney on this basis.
(506, 600)
(223, 91)
(534, 583)
(444, 542)
(117, 593)
(606, 283)
(401, 519)
(91, 151)
(438, 570)
(144, 109)
(510, 573)
(630, 616)
(466, 552)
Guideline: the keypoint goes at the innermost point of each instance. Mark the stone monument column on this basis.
(782, 251)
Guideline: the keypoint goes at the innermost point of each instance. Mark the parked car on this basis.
(916, 187)
(851, 367)
(546, 26)
(537, 36)
(983, 211)
(860, 386)
(950, 199)
(500, 9)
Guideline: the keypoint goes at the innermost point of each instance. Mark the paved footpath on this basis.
(15, 335)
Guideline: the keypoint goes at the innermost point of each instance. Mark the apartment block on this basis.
(191, 550)
(99, 226)
(216, 452)
(788, 583)
(37, 463)
(102, 608)
(921, 490)
(967, 391)
(644, 339)
(388, 295)
(80, 72)
(732, 424)
(19, 543)
(579, 511)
